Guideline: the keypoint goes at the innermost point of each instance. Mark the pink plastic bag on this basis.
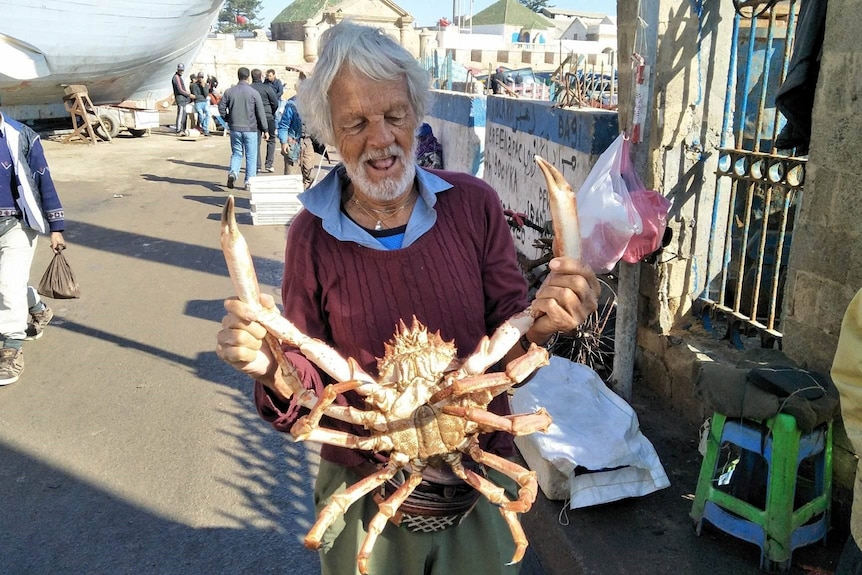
(606, 212)
(652, 207)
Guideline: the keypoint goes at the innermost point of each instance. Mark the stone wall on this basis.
(684, 111)
(222, 54)
(825, 262)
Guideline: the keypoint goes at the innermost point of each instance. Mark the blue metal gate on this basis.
(758, 187)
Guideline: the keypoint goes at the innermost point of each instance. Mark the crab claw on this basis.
(238, 257)
(564, 211)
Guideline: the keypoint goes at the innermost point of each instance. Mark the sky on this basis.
(428, 12)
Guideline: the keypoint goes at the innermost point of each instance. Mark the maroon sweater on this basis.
(461, 277)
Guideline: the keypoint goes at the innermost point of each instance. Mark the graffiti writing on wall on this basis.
(510, 167)
(518, 130)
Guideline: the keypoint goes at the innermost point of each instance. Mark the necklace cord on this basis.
(381, 215)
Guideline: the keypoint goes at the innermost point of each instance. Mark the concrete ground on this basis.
(128, 447)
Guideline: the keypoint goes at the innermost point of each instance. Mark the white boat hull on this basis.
(123, 51)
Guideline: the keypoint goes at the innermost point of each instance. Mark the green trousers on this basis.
(480, 545)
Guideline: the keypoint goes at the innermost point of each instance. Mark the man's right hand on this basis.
(240, 341)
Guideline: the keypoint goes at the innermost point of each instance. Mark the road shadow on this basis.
(54, 522)
(156, 249)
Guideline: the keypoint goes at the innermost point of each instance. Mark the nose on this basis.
(380, 134)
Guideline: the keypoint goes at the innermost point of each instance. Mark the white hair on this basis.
(367, 51)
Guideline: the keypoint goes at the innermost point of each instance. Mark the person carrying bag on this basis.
(29, 205)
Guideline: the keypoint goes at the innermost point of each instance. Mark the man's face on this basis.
(374, 129)
(270, 76)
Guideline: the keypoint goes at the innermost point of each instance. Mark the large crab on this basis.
(426, 407)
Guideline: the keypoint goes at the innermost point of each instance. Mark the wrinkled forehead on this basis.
(358, 93)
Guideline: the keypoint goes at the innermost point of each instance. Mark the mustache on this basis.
(391, 150)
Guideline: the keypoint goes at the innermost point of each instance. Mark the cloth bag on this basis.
(594, 451)
(58, 281)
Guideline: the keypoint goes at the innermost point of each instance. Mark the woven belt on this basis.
(435, 504)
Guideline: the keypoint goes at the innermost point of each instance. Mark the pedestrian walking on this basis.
(278, 87)
(200, 91)
(29, 205)
(242, 108)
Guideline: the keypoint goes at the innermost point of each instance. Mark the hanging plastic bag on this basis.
(607, 215)
(58, 281)
(652, 208)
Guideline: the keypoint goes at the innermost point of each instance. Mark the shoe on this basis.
(231, 178)
(270, 169)
(38, 322)
(11, 365)
(207, 135)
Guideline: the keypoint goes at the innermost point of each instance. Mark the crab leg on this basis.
(496, 495)
(522, 424)
(528, 485)
(369, 419)
(387, 511)
(340, 502)
(241, 269)
(567, 242)
(564, 212)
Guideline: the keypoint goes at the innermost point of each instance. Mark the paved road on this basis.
(127, 446)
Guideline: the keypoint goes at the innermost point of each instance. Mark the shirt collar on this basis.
(324, 201)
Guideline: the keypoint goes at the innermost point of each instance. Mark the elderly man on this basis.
(381, 240)
(242, 108)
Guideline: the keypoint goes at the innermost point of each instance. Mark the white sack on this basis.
(593, 428)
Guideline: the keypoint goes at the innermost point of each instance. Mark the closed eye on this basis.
(355, 128)
(396, 119)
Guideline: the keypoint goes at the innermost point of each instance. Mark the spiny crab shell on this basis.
(415, 353)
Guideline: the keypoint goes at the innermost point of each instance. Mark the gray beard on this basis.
(390, 188)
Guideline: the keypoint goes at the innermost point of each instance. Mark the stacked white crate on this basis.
(274, 200)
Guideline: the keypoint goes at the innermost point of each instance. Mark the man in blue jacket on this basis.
(29, 205)
(290, 135)
(242, 108)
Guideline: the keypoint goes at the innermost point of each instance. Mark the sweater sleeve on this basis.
(302, 308)
(52, 209)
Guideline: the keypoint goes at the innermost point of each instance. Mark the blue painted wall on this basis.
(496, 138)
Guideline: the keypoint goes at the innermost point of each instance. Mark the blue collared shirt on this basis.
(324, 201)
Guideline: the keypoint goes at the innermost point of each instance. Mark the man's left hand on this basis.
(565, 300)
(57, 242)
